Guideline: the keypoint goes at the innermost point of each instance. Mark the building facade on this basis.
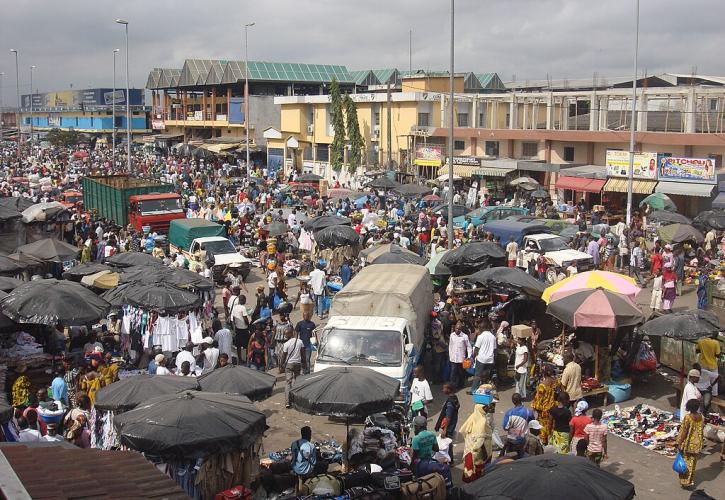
(85, 110)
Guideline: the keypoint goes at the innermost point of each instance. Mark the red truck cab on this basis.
(156, 210)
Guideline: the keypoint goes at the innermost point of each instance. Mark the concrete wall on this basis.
(263, 113)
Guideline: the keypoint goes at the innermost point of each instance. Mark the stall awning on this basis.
(684, 188)
(165, 137)
(719, 201)
(492, 171)
(463, 171)
(639, 186)
(581, 184)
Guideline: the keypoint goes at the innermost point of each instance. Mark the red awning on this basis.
(580, 184)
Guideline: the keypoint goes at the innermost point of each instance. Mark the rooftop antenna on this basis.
(548, 81)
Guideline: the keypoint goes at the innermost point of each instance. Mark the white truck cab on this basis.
(556, 252)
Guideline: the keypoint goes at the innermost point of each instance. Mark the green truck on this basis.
(127, 200)
(204, 241)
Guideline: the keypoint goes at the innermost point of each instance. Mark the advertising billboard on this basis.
(677, 168)
(645, 164)
(428, 156)
(81, 99)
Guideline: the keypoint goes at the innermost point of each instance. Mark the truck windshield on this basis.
(553, 244)
(361, 347)
(218, 247)
(155, 206)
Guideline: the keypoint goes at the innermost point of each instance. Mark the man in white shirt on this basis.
(485, 353)
(317, 285)
(459, 348)
(26, 434)
(292, 218)
(210, 355)
(223, 339)
(292, 359)
(690, 391)
(186, 355)
(241, 320)
(512, 250)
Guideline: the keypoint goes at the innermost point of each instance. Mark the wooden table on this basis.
(603, 390)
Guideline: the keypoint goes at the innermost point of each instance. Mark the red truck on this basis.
(128, 200)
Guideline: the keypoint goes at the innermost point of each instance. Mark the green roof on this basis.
(490, 80)
(360, 76)
(389, 75)
(297, 72)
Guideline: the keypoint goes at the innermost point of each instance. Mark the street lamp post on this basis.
(128, 101)
(633, 124)
(113, 108)
(246, 95)
(2, 106)
(31, 105)
(450, 137)
(17, 90)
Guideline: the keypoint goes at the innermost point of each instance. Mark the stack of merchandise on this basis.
(291, 268)
(23, 347)
(650, 427)
(590, 383)
(3, 394)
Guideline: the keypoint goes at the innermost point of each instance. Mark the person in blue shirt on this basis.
(345, 272)
(58, 387)
(305, 330)
(516, 423)
(304, 456)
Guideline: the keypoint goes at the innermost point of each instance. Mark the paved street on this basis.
(650, 472)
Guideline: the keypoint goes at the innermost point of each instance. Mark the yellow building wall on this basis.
(293, 118)
(431, 84)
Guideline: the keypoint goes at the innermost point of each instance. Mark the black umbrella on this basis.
(118, 297)
(395, 254)
(75, 273)
(6, 412)
(130, 392)
(9, 284)
(17, 203)
(162, 297)
(181, 278)
(191, 425)
(49, 250)
(308, 178)
(347, 392)
(383, 182)
(685, 325)
(276, 228)
(7, 213)
(128, 259)
(326, 221)
(473, 256)
(6, 324)
(239, 380)
(508, 278)
(549, 477)
(678, 233)
(8, 265)
(540, 194)
(202, 154)
(51, 302)
(714, 219)
(665, 217)
(412, 190)
(336, 236)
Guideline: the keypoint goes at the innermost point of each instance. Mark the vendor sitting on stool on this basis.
(425, 443)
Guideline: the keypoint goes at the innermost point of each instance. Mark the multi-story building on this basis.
(574, 142)
(84, 110)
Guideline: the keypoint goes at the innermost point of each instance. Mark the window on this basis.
(481, 119)
(323, 152)
(376, 119)
(307, 153)
(491, 148)
(459, 145)
(310, 114)
(713, 104)
(569, 153)
(424, 119)
(328, 117)
(463, 119)
(529, 149)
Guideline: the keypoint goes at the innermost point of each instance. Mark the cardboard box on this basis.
(521, 331)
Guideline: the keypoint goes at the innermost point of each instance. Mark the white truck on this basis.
(205, 239)
(379, 320)
(556, 252)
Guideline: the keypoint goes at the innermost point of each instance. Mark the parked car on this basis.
(458, 210)
(485, 214)
(557, 253)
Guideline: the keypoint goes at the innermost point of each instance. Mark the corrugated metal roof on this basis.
(169, 78)
(387, 75)
(153, 80)
(233, 72)
(585, 171)
(685, 188)
(60, 473)
(216, 70)
(194, 72)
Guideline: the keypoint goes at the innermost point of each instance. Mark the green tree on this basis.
(353, 135)
(63, 138)
(337, 149)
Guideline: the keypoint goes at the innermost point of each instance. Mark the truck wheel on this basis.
(551, 275)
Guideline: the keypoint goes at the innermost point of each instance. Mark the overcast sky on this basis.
(71, 41)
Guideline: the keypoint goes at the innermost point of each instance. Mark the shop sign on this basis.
(198, 116)
(428, 156)
(645, 165)
(158, 124)
(469, 161)
(54, 121)
(687, 169)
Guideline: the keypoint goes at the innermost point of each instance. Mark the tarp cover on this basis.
(183, 231)
(508, 278)
(239, 380)
(687, 325)
(191, 425)
(130, 392)
(348, 392)
(336, 236)
(50, 250)
(389, 290)
(128, 259)
(714, 219)
(51, 302)
(326, 221)
(75, 273)
(393, 254)
(473, 256)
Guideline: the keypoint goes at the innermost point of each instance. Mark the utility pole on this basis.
(410, 53)
(633, 124)
(389, 131)
(450, 136)
(113, 108)
(128, 102)
(31, 106)
(2, 107)
(246, 97)
(17, 90)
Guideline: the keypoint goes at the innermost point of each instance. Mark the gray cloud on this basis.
(72, 41)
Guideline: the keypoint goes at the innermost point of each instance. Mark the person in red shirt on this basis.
(656, 259)
(577, 424)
